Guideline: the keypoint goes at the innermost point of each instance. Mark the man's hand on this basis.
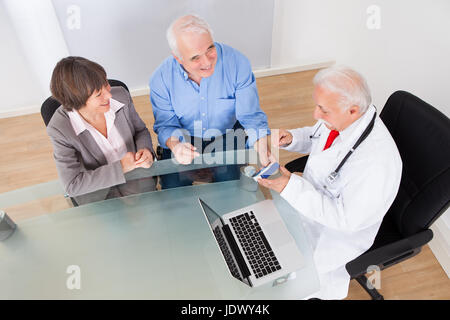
(277, 184)
(185, 153)
(265, 157)
(128, 163)
(284, 138)
(143, 158)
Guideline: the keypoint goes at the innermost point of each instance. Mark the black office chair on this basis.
(50, 105)
(422, 135)
(297, 165)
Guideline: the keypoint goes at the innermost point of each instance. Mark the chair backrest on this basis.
(117, 83)
(50, 105)
(422, 135)
(48, 108)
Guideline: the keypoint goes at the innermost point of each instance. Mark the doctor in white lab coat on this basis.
(341, 217)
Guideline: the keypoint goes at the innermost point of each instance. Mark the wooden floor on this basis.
(26, 159)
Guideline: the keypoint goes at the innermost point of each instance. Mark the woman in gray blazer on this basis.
(97, 134)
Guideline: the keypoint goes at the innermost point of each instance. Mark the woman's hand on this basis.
(128, 163)
(143, 158)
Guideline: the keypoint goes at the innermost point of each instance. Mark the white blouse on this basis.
(113, 147)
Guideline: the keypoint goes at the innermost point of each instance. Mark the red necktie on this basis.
(333, 134)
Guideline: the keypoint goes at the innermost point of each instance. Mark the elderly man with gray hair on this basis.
(351, 177)
(205, 88)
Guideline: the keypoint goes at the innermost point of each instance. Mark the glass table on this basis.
(154, 245)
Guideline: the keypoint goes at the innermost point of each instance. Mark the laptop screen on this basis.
(211, 215)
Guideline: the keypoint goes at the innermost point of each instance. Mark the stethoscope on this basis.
(313, 136)
(335, 174)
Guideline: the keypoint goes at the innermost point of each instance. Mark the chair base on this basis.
(374, 294)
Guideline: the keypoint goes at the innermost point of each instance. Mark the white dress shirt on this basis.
(343, 218)
(113, 147)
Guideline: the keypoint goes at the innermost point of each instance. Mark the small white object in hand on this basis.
(249, 171)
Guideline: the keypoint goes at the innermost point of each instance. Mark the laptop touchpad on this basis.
(277, 233)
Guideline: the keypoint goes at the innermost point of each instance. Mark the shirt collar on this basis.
(79, 124)
(357, 127)
(115, 105)
(185, 74)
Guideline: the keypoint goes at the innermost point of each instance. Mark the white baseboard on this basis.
(440, 245)
(140, 92)
(9, 113)
(259, 73)
(274, 71)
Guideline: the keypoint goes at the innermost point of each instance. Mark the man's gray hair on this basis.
(349, 84)
(187, 23)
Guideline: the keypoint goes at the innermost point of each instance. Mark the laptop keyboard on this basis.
(254, 242)
(226, 253)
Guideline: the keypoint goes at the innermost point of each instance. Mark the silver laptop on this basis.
(255, 243)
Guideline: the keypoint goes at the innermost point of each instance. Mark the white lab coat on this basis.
(343, 218)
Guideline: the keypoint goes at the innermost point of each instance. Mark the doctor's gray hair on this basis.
(349, 84)
(187, 23)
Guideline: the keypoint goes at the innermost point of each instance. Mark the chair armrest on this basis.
(297, 165)
(389, 254)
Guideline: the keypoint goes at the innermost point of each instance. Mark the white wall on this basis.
(127, 37)
(18, 84)
(410, 51)
(37, 28)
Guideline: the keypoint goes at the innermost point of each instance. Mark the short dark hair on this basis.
(75, 79)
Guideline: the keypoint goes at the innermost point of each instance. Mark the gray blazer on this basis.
(82, 166)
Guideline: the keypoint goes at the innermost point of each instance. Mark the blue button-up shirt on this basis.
(212, 107)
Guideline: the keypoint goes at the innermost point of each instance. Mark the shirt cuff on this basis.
(118, 173)
(291, 190)
(253, 138)
(165, 134)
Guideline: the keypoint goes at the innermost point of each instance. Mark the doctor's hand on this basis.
(143, 158)
(277, 184)
(284, 139)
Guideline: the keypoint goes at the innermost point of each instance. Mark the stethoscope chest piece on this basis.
(332, 177)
